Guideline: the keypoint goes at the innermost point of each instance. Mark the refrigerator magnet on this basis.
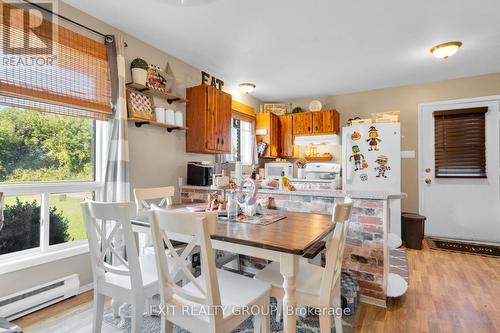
(363, 177)
(373, 138)
(355, 136)
(382, 167)
(357, 158)
(364, 164)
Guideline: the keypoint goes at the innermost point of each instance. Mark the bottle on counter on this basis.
(283, 183)
(254, 174)
(231, 206)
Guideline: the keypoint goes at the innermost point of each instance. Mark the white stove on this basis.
(320, 176)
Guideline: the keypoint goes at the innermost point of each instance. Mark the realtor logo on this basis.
(28, 30)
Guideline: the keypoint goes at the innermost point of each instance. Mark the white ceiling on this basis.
(304, 48)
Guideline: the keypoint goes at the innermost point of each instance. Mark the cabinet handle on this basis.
(217, 140)
(316, 128)
(309, 128)
(222, 141)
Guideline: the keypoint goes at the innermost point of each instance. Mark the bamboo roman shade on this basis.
(72, 78)
(459, 146)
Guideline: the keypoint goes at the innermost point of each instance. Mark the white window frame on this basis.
(47, 253)
(253, 135)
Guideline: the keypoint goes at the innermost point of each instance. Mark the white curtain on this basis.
(116, 179)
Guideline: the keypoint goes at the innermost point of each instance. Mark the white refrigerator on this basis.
(372, 162)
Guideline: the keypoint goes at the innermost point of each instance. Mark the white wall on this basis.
(157, 158)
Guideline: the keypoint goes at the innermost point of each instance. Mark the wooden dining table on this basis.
(284, 241)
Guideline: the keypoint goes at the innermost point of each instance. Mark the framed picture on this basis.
(277, 109)
(140, 105)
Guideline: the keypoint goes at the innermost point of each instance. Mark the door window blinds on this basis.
(51, 68)
(459, 146)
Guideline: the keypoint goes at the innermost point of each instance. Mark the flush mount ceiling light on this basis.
(445, 50)
(247, 87)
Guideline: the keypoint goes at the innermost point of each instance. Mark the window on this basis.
(459, 146)
(48, 165)
(242, 141)
(52, 104)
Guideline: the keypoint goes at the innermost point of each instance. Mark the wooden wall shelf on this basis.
(153, 92)
(139, 122)
(319, 158)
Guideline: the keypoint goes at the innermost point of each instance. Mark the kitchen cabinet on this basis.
(315, 123)
(208, 120)
(302, 123)
(269, 122)
(286, 148)
(325, 122)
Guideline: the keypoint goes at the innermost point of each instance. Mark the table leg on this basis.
(288, 268)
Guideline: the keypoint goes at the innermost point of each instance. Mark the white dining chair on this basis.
(144, 197)
(213, 298)
(129, 279)
(317, 286)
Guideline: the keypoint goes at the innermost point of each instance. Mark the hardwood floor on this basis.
(449, 292)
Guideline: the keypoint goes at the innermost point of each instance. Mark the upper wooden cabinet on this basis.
(286, 148)
(314, 123)
(302, 123)
(269, 122)
(325, 122)
(208, 120)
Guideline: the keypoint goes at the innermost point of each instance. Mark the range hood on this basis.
(306, 140)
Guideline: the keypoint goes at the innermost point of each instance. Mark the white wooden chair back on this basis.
(335, 249)
(102, 242)
(199, 226)
(142, 195)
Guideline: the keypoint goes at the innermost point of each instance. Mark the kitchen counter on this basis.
(372, 195)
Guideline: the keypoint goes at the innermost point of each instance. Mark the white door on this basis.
(461, 208)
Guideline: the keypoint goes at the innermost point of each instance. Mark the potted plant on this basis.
(139, 68)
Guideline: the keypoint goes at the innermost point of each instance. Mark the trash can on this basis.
(412, 230)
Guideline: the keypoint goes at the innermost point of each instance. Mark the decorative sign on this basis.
(140, 105)
(277, 109)
(214, 82)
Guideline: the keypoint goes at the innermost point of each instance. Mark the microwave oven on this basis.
(199, 173)
(273, 170)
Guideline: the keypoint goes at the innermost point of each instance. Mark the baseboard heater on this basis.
(33, 299)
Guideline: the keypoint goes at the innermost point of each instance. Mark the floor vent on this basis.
(32, 299)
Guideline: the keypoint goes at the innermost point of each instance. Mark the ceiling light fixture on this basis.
(247, 87)
(445, 50)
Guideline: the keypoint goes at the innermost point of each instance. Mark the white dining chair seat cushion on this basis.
(308, 279)
(235, 291)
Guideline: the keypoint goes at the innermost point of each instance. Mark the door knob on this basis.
(427, 170)
(427, 181)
